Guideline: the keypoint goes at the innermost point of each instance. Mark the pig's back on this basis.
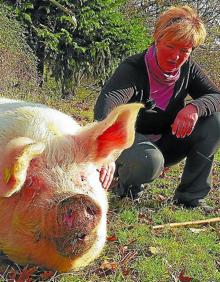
(36, 121)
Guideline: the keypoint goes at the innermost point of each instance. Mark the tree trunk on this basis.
(40, 53)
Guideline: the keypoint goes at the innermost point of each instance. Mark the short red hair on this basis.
(180, 24)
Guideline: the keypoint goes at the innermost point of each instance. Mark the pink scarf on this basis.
(161, 84)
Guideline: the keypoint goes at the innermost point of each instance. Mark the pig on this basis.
(52, 205)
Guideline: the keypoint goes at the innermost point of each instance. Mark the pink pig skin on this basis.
(52, 205)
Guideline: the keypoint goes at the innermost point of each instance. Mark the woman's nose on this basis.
(175, 55)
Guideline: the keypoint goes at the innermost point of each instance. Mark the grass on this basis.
(133, 251)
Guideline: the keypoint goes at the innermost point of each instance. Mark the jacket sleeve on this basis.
(205, 93)
(117, 90)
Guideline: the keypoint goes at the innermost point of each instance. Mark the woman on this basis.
(168, 128)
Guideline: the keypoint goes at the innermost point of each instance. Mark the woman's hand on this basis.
(185, 121)
(106, 174)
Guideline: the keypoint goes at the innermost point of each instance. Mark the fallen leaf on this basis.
(161, 197)
(154, 250)
(125, 271)
(183, 278)
(106, 268)
(108, 265)
(165, 170)
(25, 274)
(46, 275)
(112, 238)
(104, 273)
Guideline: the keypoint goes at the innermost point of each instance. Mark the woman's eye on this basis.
(184, 52)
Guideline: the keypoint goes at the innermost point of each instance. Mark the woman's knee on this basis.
(140, 164)
(154, 163)
(208, 135)
(211, 125)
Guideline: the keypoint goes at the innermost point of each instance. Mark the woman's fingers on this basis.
(185, 121)
(106, 174)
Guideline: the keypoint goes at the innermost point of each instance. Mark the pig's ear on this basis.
(105, 140)
(14, 164)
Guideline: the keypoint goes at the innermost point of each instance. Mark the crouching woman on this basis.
(169, 129)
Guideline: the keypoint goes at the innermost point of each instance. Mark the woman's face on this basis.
(171, 56)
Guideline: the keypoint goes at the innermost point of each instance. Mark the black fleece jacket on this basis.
(130, 83)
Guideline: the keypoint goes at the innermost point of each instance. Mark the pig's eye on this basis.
(83, 178)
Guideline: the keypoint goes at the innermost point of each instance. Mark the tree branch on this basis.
(61, 7)
(65, 10)
(187, 223)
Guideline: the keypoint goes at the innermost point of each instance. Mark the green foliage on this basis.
(19, 79)
(207, 55)
(84, 39)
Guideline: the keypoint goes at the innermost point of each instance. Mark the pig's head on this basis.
(52, 205)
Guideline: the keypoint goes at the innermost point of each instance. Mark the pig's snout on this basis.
(77, 217)
(78, 211)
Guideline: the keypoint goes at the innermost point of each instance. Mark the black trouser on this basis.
(144, 161)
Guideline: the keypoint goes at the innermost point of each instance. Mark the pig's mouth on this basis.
(77, 217)
(74, 246)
